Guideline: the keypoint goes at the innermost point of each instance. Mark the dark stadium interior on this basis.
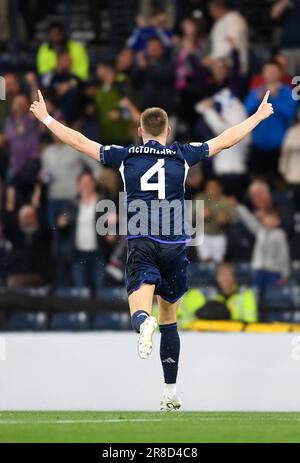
(99, 63)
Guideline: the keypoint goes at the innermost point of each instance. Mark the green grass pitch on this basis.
(149, 427)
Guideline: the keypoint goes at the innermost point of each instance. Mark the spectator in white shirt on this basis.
(80, 220)
(228, 25)
(61, 167)
(221, 111)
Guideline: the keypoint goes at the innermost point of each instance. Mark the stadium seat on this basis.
(202, 273)
(280, 299)
(33, 291)
(70, 321)
(22, 321)
(117, 293)
(208, 291)
(295, 274)
(295, 246)
(84, 293)
(271, 317)
(240, 243)
(243, 273)
(111, 321)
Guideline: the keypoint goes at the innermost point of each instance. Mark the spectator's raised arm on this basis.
(278, 9)
(236, 133)
(69, 136)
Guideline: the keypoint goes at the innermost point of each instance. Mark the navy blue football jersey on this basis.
(154, 177)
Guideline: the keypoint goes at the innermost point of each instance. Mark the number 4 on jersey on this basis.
(160, 186)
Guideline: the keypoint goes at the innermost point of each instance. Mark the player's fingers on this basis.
(41, 98)
(265, 98)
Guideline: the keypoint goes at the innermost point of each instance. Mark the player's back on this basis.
(154, 177)
(154, 172)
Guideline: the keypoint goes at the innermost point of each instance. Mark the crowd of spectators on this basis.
(203, 77)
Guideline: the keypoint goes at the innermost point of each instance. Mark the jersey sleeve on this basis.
(195, 152)
(112, 155)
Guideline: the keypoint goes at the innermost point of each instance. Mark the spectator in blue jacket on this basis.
(155, 27)
(268, 136)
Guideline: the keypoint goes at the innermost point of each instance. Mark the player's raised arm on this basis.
(65, 134)
(236, 133)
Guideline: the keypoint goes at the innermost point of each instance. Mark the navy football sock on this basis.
(137, 319)
(169, 351)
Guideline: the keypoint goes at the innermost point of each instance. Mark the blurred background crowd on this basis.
(99, 64)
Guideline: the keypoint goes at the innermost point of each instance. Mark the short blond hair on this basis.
(154, 121)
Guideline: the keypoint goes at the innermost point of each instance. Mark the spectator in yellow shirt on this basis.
(229, 302)
(58, 43)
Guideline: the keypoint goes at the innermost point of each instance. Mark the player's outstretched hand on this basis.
(38, 108)
(265, 109)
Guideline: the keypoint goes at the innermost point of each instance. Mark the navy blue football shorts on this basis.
(164, 265)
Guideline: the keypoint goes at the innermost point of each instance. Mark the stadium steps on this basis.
(281, 304)
(76, 15)
(102, 22)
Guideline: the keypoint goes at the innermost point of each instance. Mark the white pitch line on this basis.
(146, 420)
(113, 420)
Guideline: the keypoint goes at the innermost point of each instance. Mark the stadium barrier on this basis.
(101, 371)
(235, 327)
(36, 309)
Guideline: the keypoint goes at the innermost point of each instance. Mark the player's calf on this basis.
(169, 355)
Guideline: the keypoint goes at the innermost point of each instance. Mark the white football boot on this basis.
(147, 330)
(170, 402)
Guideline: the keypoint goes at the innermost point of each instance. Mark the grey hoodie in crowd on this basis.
(271, 249)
